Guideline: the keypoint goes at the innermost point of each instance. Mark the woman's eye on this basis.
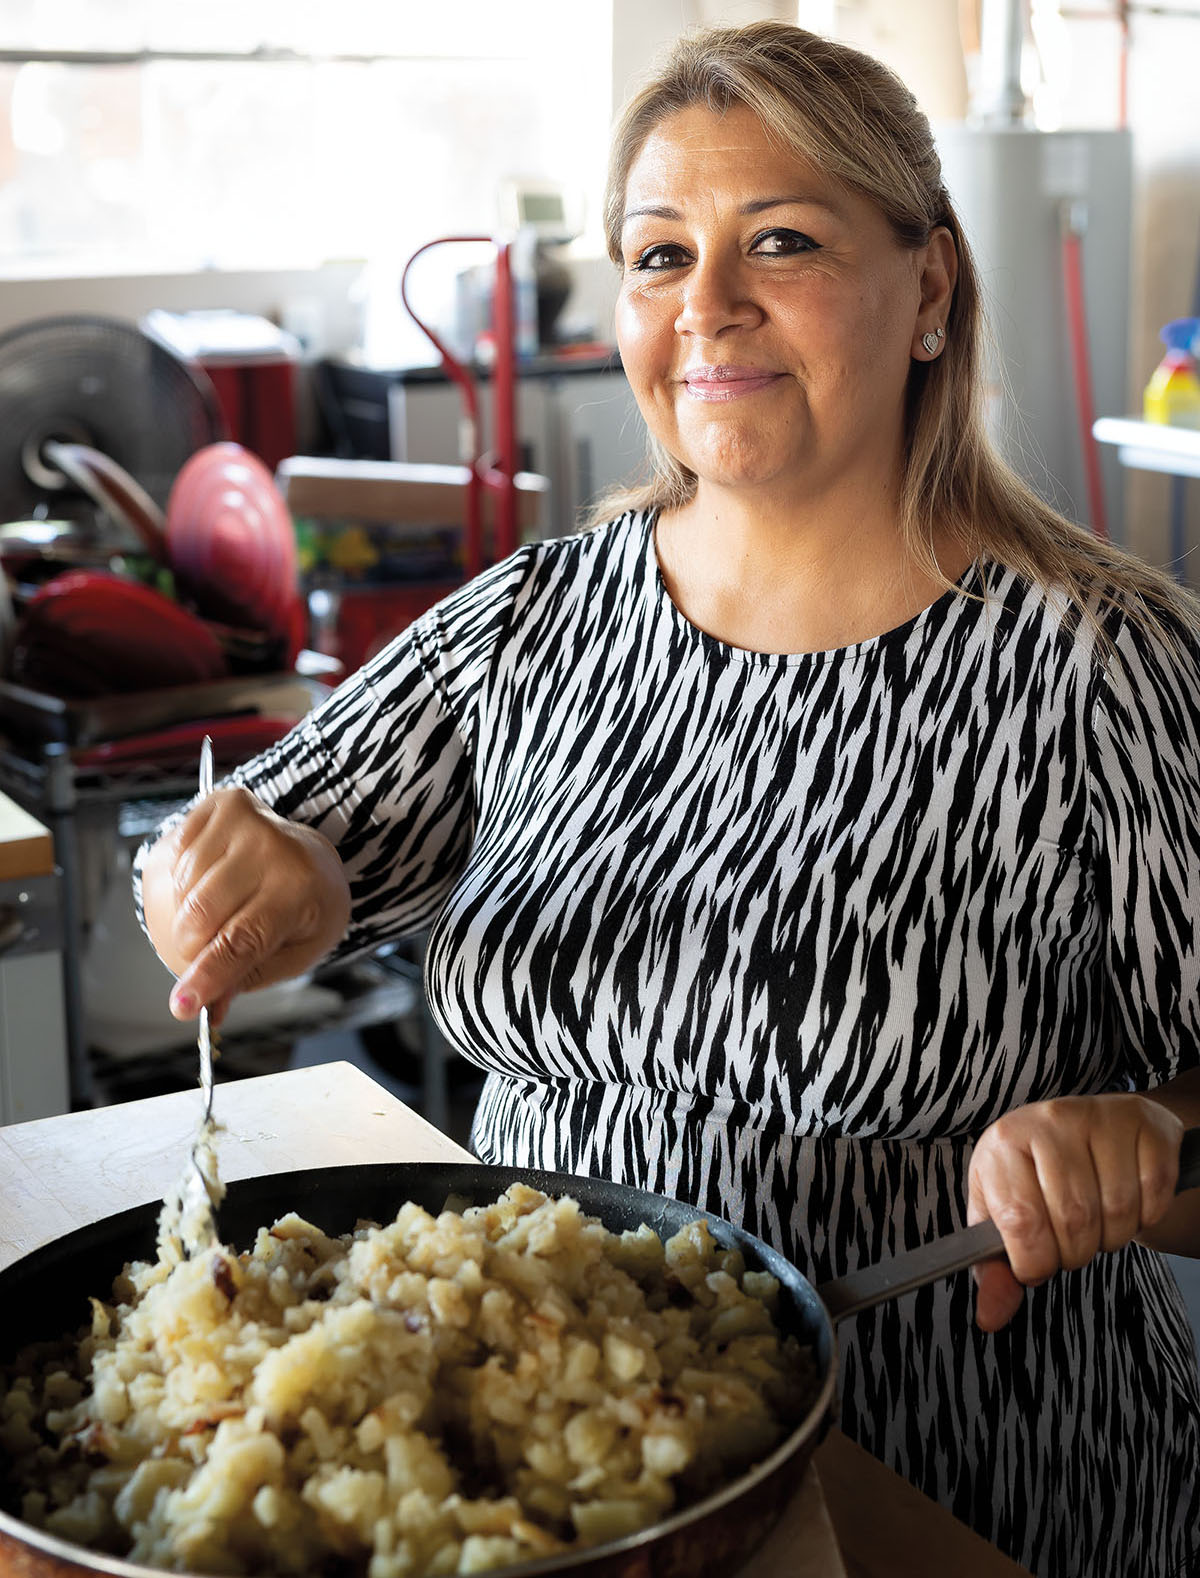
(783, 243)
(662, 256)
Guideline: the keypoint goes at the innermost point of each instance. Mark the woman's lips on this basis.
(727, 383)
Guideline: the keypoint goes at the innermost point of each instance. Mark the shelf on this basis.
(1151, 446)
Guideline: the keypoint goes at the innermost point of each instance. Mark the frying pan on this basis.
(45, 1294)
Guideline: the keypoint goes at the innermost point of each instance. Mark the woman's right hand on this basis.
(237, 897)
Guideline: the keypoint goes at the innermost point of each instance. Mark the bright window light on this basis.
(356, 130)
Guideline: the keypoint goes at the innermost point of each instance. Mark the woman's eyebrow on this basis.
(756, 205)
(759, 205)
(651, 211)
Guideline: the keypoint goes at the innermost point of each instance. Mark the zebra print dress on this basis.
(781, 935)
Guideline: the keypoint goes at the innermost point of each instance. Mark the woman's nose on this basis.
(716, 296)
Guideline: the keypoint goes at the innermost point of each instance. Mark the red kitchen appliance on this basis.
(258, 399)
(494, 471)
(251, 364)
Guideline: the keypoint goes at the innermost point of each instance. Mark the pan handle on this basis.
(912, 1269)
(952, 1252)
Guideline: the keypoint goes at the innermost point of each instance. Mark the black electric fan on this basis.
(73, 387)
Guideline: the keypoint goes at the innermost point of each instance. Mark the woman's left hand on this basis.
(1063, 1180)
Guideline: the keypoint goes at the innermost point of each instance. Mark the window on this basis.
(138, 135)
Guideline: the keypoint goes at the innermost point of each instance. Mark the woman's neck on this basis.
(770, 576)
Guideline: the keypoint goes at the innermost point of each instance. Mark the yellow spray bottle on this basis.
(1173, 393)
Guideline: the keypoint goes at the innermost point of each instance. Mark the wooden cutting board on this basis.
(57, 1174)
(26, 847)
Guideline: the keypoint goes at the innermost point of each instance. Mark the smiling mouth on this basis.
(727, 383)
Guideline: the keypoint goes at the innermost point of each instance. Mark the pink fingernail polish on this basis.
(183, 1003)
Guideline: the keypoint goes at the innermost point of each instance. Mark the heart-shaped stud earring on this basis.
(933, 339)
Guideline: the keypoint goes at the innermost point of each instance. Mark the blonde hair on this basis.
(853, 118)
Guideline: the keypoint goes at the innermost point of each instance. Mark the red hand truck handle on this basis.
(499, 477)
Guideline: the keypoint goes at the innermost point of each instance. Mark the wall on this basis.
(642, 29)
(920, 41)
(1166, 244)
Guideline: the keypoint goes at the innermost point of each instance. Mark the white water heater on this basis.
(1016, 190)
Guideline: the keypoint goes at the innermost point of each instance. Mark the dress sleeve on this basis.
(1145, 785)
(385, 767)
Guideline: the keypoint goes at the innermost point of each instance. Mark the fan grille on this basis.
(99, 381)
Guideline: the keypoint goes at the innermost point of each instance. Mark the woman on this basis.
(812, 841)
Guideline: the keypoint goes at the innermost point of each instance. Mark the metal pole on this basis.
(504, 406)
(61, 801)
(1000, 99)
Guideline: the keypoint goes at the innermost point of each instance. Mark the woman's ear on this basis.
(939, 271)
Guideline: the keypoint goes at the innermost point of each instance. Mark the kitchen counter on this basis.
(34, 1079)
(851, 1518)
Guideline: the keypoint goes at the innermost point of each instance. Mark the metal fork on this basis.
(204, 1039)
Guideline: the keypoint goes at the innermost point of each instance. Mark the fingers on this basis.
(1070, 1188)
(252, 899)
(216, 878)
(233, 961)
(273, 933)
(209, 897)
(271, 938)
(998, 1295)
(1065, 1179)
(1005, 1186)
(1158, 1164)
(1120, 1202)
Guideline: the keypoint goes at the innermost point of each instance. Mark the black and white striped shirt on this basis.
(783, 934)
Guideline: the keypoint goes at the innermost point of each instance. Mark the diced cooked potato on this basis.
(433, 1396)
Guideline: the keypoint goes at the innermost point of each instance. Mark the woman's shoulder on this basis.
(1132, 642)
(616, 545)
(547, 559)
(532, 587)
(1149, 664)
(1100, 621)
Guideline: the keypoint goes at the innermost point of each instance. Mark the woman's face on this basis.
(767, 316)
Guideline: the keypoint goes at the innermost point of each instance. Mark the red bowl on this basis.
(231, 543)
